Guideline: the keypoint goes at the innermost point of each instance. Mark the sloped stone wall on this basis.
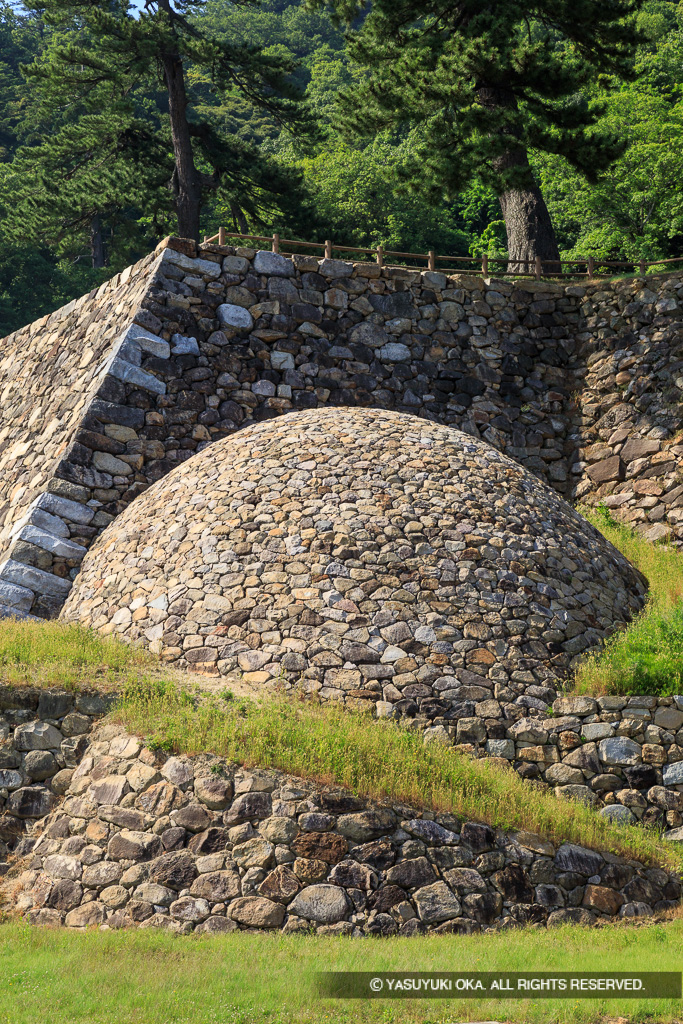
(50, 373)
(194, 844)
(621, 755)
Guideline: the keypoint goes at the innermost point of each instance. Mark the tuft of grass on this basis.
(71, 656)
(646, 657)
(131, 977)
(380, 760)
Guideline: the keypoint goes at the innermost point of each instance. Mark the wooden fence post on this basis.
(276, 242)
(221, 236)
(642, 267)
(485, 265)
(590, 268)
(380, 256)
(538, 268)
(328, 249)
(431, 260)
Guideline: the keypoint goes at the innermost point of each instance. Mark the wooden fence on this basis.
(487, 266)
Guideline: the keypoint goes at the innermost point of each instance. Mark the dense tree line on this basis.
(415, 124)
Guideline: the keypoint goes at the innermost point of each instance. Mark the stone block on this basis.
(129, 374)
(16, 598)
(37, 580)
(56, 545)
(436, 903)
(620, 750)
(672, 774)
(271, 263)
(37, 736)
(199, 267)
(324, 904)
(606, 470)
(571, 857)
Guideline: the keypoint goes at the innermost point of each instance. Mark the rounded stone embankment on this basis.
(194, 844)
(365, 556)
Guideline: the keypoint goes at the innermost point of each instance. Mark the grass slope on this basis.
(147, 977)
(376, 759)
(646, 658)
(72, 657)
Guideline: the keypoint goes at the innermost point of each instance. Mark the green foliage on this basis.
(635, 207)
(475, 85)
(647, 657)
(34, 282)
(19, 43)
(53, 191)
(88, 140)
(124, 139)
(378, 759)
(357, 201)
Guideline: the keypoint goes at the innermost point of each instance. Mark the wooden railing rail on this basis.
(582, 267)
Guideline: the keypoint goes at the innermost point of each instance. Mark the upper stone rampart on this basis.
(192, 344)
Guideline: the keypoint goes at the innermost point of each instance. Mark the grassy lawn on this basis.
(147, 977)
(647, 657)
(376, 759)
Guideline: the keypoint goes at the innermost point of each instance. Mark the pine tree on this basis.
(19, 43)
(90, 181)
(481, 85)
(128, 128)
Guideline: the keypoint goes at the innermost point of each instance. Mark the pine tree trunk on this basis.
(97, 253)
(529, 230)
(186, 179)
(528, 226)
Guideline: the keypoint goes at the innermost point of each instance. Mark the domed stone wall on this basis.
(362, 555)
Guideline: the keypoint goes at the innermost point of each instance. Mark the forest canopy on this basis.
(93, 159)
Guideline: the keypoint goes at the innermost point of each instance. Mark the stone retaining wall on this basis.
(43, 736)
(630, 404)
(190, 349)
(143, 839)
(55, 489)
(623, 755)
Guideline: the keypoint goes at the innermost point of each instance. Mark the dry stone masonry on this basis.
(365, 556)
(194, 844)
(403, 567)
(581, 385)
(621, 755)
(43, 736)
(50, 375)
(630, 416)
